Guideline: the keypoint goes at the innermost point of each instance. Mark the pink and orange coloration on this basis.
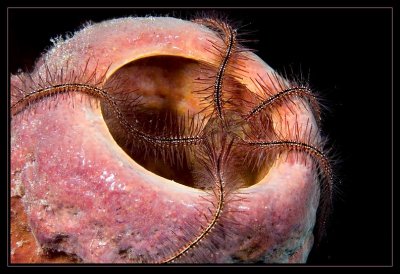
(158, 140)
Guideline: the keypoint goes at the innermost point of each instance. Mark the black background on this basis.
(348, 54)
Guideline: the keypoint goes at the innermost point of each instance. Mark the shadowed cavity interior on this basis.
(165, 96)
